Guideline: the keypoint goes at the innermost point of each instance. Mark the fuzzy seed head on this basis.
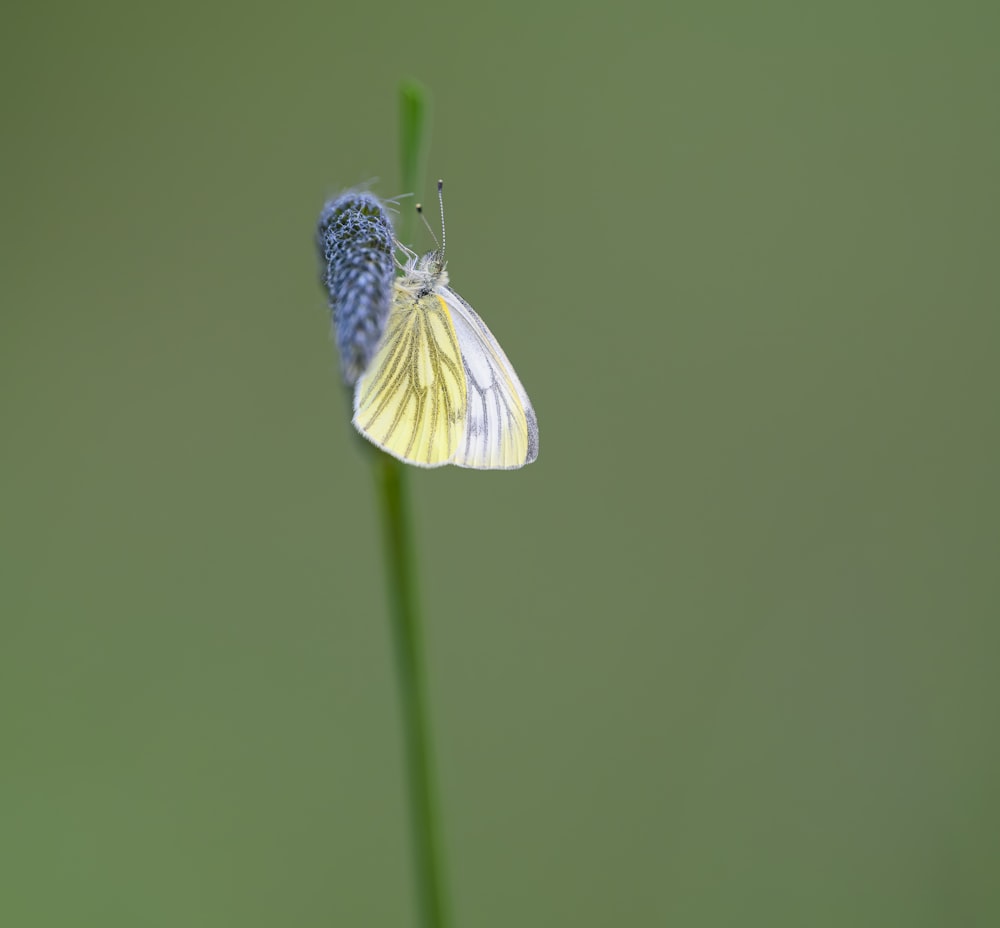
(357, 267)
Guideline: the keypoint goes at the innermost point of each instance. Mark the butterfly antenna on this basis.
(427, 226)
(441, 207)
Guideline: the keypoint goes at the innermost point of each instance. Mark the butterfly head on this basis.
(424, 274)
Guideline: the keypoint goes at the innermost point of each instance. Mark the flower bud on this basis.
(356, 246)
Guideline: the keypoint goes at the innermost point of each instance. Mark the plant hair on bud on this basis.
(356, 246)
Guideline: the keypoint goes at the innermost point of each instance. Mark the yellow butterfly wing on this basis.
(500, 428)
(411, 400)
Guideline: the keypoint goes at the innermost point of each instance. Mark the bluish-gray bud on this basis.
(356, 247)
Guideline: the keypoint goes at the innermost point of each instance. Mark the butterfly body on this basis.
(439, 388)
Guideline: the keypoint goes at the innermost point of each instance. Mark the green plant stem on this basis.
(414, 131)
(413, 694)
(402, 585)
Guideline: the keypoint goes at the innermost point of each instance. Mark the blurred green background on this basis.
(726, 655)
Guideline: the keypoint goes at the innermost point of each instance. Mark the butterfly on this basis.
(439, 389)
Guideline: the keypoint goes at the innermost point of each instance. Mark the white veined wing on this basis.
(411, 400)
(440, 389)
(501, 430)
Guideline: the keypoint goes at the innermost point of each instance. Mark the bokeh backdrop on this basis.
(725, 655)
